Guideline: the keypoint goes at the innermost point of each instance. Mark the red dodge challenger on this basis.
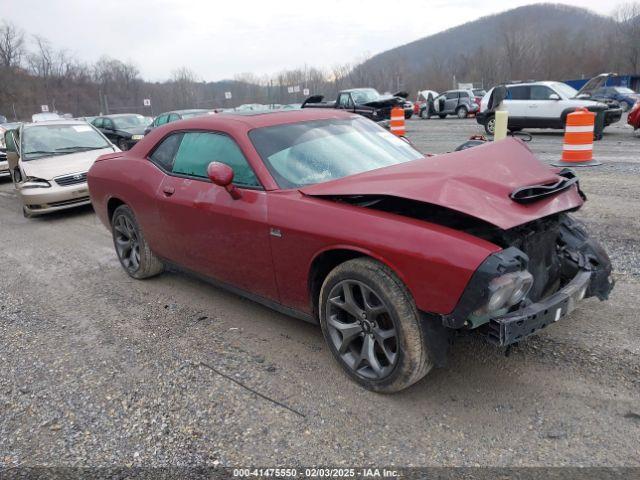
(326, 216)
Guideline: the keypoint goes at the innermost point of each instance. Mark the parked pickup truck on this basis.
(367, 102)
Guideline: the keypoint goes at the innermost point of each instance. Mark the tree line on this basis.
(33, 72)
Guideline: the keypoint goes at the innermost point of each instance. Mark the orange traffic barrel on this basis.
(577, 150)
(397, 121)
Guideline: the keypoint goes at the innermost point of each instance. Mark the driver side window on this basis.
(198, 149)
(540, 92)
(345, 101)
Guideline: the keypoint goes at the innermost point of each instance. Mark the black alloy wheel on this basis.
(132, 249)
(372, 326)
(362, 330)
(127, 243)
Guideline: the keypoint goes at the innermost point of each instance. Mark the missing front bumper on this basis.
(514, 327)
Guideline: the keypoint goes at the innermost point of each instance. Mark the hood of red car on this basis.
(477, 182)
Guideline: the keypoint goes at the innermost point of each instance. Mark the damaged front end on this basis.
(544, 269)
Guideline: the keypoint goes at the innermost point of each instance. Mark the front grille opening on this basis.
(74, 179)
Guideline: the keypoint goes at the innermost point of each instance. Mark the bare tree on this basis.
(11, 45)
(627, 17)
(183, 87)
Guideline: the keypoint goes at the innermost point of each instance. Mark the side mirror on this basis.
(12, 159)
(10, 141)
(222, 175)
(554, 96)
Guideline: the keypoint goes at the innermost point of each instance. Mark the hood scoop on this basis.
(534, 193)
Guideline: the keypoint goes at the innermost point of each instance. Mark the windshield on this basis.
(365, 95)
(47, 140)
(565, 89)
(130, 121)
(316, 152)
(624, 90)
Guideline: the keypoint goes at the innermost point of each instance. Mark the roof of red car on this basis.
(267, 118)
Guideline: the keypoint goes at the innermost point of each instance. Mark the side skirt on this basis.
(278, 307)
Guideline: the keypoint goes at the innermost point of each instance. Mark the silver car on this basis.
(48, 162)
(4, 165)
(452, 102)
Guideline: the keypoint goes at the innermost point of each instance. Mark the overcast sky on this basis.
(218, 39)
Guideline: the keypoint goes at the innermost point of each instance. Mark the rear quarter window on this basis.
(164, 154)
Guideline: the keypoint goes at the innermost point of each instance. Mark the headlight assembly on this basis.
(507, 290)
(33, 182)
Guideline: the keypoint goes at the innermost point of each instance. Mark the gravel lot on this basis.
(102, 370)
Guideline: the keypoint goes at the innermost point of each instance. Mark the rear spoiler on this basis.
(108, 156)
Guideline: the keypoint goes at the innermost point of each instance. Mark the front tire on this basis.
(625, 106)
(132, 249)
(372, 326)
(424, 114)
(490, 125)
(123, 145)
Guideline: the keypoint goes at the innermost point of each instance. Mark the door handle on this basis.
(168, 190)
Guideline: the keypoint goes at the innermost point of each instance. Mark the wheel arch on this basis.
(327, 259)
(112, 204)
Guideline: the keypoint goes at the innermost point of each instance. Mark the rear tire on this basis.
(132, 249)
(372, 326)
(462, 112)
(424, 114)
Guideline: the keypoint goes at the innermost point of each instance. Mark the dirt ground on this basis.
(98, 369)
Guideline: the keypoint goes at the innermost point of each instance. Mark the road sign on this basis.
(44, 108)
(290, 89)
(146, 102)
(305, 92)
(227, 95)
(296, 89)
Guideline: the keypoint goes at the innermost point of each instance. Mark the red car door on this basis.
(210, 232)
